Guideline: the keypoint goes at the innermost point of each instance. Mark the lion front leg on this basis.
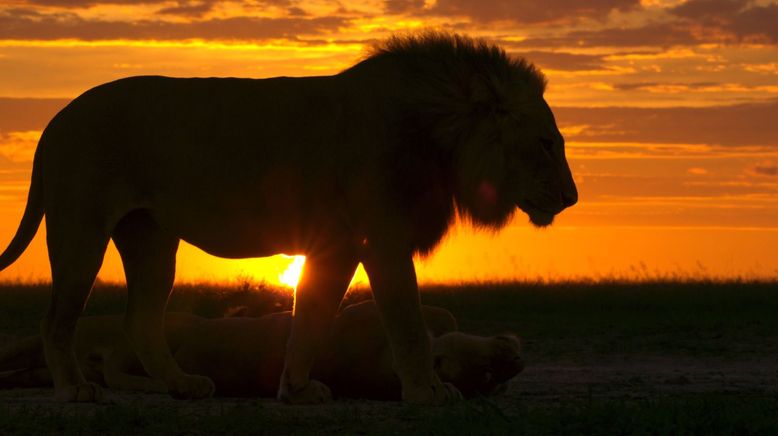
(322, 285)
(393, 280)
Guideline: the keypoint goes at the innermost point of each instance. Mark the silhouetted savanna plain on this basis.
(628, 358)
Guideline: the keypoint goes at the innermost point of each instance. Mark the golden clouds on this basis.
(668, 108)
(19, 147)
(607, 52)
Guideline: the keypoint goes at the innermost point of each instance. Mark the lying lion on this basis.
(244, 356)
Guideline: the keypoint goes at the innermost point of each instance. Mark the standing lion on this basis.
(368, 165)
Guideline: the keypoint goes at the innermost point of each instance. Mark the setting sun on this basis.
(291, 274)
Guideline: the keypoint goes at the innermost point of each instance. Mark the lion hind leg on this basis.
(149, 257)
(76, 255)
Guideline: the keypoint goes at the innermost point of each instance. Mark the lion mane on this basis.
(453, 86)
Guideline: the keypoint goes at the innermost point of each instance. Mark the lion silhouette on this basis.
(369, 165)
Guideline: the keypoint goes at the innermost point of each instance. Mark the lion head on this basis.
(477, 365)
(482, 112)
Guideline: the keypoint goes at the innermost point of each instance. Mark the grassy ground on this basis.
(607, 358)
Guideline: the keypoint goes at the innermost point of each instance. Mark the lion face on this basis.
(477, 365)
(516, 158)
(538, 177)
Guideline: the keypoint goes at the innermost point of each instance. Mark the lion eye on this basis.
(548, 146)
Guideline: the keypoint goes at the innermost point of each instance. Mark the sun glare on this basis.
(291, 274)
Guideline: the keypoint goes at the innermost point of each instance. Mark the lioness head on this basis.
(477, 365)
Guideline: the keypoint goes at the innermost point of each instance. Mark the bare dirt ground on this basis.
(605, 359)
(542, 383)
(644, 377)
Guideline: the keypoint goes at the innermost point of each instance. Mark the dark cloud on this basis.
(402, 6)
(766, 169)
(694, 22)
(562, 61)
(642, 86)
(294, 11)
(757, 24)
(527, 11)
(696, 9)
(184, 8)
(634, 86)
(72, 4)
(26, 24)
(87, 3)
(737, 125)
(193, 9)
(658, 34)
(740, 20)
(22, 114)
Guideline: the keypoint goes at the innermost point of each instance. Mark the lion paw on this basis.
(436, 394)
(192, 387)
(81, 393)
(313, 393)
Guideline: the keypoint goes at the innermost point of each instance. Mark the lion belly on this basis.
(237, 167)
(254, 222)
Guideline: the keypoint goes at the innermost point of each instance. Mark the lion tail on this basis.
(31, 220)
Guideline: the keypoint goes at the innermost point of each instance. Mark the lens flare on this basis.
(291, 275)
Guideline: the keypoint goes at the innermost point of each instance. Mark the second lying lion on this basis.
(244, 356)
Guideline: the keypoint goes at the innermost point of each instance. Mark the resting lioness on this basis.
(244, 356)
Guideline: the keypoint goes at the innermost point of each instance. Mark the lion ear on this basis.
(487, 95)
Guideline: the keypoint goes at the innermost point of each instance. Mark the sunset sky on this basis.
(669, 110)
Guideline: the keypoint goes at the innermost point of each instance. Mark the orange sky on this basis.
(669, 108)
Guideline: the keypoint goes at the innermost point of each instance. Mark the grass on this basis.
(564, 320)
(22, 306)
(559, 322)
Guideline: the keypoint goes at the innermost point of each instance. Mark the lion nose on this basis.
(569, 197)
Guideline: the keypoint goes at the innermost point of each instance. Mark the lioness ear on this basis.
(446, 367)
